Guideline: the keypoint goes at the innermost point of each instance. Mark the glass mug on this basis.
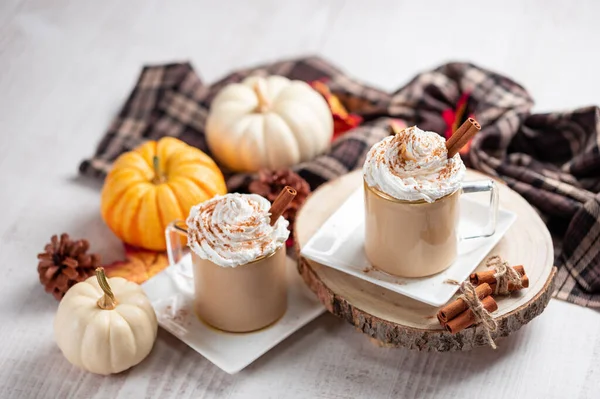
(234, 299)
(418, 238)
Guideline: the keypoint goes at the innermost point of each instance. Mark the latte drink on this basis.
(239, 262)
(411, 203)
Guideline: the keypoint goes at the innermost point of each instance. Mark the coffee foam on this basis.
(233, 229)
(413, 165)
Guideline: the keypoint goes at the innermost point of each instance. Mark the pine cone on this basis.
(269, 184)
(65, 263)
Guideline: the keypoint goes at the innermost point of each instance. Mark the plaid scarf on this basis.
(552, 160)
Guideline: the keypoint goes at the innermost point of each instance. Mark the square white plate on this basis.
(171, 293)
(339, 244)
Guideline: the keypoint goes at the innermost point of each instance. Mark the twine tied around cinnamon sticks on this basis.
(478, 311)
(503, 278)
(504, 275)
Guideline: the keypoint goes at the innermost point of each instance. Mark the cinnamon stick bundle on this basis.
(461, 136)
(488, 277)
(467, 318)
(455, 308)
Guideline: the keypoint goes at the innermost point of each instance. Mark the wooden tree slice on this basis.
(395, 320)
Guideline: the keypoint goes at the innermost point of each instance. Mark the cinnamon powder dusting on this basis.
(413, 165)
(234, 229)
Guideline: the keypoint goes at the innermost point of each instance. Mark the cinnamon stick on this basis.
(394, 128)
(461, 136)
(442, 322)
(281, 203)
(467, 318)
(455, 308)
(462, 129)
(488, 276)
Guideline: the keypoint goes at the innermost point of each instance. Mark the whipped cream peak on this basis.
(233, 229)
(413, 165)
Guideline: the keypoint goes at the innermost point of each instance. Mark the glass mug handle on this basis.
(483, 186)
(175, 247)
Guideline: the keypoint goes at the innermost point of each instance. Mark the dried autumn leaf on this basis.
(342, 119)
(139, 264)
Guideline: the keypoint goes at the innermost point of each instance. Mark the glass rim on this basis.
(262, 257)
(389, 198)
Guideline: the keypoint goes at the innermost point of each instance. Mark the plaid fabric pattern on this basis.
(553, 160)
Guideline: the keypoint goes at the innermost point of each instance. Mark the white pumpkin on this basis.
(105, 326)
(268, 123)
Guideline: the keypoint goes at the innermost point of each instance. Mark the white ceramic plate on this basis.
(171, 294)
(339, 244)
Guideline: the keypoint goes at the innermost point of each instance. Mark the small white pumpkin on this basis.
(268, 122)
(105, 332)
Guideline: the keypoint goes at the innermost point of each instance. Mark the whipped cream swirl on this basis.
(413, 166)
(233, 229)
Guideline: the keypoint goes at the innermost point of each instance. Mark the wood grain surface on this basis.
(66, 66)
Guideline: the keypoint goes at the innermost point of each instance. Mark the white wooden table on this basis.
(66, 67)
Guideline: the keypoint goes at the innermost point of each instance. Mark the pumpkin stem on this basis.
(263, 101)
(158, 176)
(108, 301)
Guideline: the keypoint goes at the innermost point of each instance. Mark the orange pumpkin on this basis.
(155, 184)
